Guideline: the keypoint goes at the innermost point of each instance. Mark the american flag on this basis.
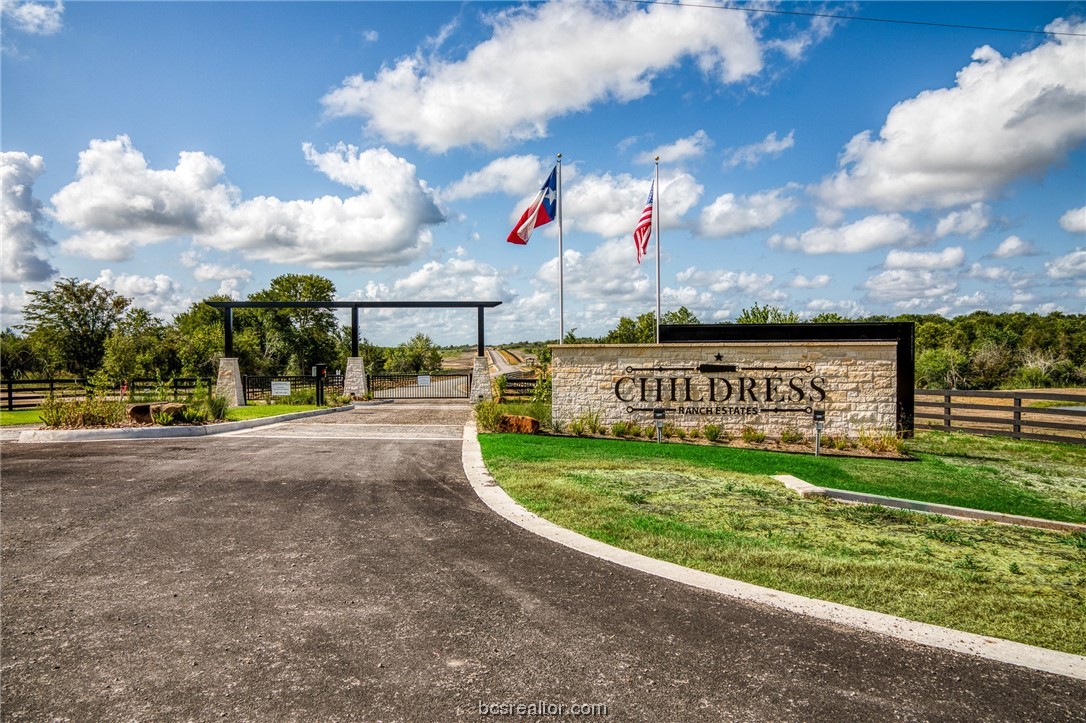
(644, 227)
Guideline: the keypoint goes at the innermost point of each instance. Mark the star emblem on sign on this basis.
(720, 357)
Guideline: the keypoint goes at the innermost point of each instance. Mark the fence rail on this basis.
(1060, 418)
(259, 388)
(31, 393)
(520, 385)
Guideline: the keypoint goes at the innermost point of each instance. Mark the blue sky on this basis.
(174, 150)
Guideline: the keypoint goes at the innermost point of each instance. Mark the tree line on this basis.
(78, 328)
(982, 350)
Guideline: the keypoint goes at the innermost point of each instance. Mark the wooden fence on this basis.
(30, 393)
(1053, 416)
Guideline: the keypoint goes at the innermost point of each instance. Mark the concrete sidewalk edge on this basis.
(37, 436)
(997, 649)
(806, 489)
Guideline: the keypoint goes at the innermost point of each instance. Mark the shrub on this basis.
(837, 441)
(712, 432)
(881, 441)
(621, 429)
(576, 427)
(668, 430)
(791, 435)
(694, 433)
(752, 435)
(300, 396)
(487, 415)
(589, 422)
(164, 419)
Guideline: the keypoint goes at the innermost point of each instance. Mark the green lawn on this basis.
(716, 509)
(259, 411)
(19, 416)
(236, 414)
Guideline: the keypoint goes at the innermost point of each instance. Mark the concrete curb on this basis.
(805, 489)
(1004, 651)
(39, 436)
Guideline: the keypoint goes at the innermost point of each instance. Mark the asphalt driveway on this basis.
(342, 568)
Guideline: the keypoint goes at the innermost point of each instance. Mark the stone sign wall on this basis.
(770, 386)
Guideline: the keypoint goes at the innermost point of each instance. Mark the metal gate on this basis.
(441, 385)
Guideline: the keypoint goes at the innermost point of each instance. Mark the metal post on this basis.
(354, 331)
(480, 345)
(228, 331)
(1017, 418)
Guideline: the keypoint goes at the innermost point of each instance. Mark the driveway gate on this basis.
(440, 385)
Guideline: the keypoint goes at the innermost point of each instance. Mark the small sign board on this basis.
(280, 389)
(819, 415)
(424, 380)
(658, 413)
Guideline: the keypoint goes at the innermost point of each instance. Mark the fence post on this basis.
(946, 411)
(1017, 418)
(11, 395)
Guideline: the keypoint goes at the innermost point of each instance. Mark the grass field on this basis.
(19, 416)
(715, 509)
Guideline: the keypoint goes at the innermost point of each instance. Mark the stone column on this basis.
(229, 382)
(480, 380)
(354, 378)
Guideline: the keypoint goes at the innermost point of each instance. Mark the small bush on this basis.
(751, 435)
(300, 396)
(837, 441)
(712, 432)
(621, 429)
(487, 415)
(791, 435)
(669, 430)
(587, 423)
(881, 441)
(163, 419)
(694, 433)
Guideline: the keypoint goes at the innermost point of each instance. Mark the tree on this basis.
(197, 335)
(417, 355)
(297, 338)
(17, 357)
(682, 315)
(139, 347)
(766, 315)
(69, 324)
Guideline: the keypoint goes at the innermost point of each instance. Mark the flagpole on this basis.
(656, 213)
(561, 262)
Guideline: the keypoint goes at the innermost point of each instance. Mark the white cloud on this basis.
(912, 286)
(820, 281)
(1074, 221)
(1005, 118)
(863, 235)
(160, 295)
(751, 155)
(118, 202)
(1013, 246)
(731, 215)
(117, 193)
(514, 175)
(719, 281)
(969, 222)
(32, 17)
(1071, 266)
(608, 273)
(948, 258)
(21, 220)
(459, 278)
(610, 205)
(844, 307)
(498, 93)
(693, 146)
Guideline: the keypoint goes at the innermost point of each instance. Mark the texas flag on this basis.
(542, 210)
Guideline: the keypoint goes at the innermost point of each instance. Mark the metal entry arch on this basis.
(228, 307)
